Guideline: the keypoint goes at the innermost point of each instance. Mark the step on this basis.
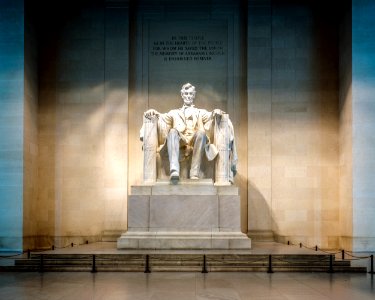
(181, 263)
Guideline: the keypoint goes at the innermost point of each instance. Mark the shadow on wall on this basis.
(259, 205)
(82, 125)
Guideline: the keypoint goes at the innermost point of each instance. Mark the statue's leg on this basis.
(199, 141)
(173, 143)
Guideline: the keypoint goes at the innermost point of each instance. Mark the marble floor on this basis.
(180, 286)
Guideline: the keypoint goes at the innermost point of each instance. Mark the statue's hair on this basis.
(187, 86)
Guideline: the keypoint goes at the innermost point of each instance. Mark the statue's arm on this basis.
(164, 123)
(166, 117)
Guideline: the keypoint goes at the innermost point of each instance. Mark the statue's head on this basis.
(188, 94)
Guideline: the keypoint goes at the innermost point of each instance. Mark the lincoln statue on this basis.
(189, 129)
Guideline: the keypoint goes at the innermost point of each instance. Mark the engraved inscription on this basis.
(187, 48)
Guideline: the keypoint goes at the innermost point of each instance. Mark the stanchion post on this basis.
(372, 265)
(288, 243)
(147, 264)
(41, 264)
(53, 247)
(93, 269)
(72, 244)
(28, 254)
(300, 245)
(204, 267)
(270, 270)
(342, 254)
(316, 248)
(330, 270)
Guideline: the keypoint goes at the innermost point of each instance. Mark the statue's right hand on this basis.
(150, 113)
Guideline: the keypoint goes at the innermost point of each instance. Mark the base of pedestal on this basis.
(193, 214)
(183, 240)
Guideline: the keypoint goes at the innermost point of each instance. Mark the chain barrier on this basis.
(315, 248)
(28, 251)
(357, 257)
(206, 260)
(330, 253)
(343, 252)
(310, 248)
(12, 256)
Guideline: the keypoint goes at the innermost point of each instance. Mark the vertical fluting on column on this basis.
(150, 144)
(222, 140)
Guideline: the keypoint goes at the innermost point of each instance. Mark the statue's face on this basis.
(188, 96)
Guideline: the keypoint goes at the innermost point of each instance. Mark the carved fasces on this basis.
(222, 141)
(150, 145)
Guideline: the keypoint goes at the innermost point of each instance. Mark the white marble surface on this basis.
(197, 215)
(229, 218)
(184, 187)
(187, 213)
(138, 212)
(183, 240)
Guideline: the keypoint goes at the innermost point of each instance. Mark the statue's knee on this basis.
(200, 135)
(172, 132)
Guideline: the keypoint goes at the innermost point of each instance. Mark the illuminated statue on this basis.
(189, 131)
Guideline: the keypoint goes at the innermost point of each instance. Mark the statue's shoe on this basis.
(175, 177)
(194, 177)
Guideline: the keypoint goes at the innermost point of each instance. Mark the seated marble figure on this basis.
(196, 132)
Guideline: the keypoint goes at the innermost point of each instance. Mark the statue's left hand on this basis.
(217, 112)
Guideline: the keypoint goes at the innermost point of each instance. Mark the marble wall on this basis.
(345, 132)
(363, 124)
(301, 108)
(30, 139)
(293, 122)
(83, 124)
(11, 123)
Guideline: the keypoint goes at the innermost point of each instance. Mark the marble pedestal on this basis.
(189, 215)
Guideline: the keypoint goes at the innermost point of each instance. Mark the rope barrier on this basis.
(310, 248)
(206, 259)
(11, 256)
(359, 257)
(343, 252)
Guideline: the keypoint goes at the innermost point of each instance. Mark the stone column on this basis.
(222, 140)
(362, 106)
(12, 69)
(150, 144)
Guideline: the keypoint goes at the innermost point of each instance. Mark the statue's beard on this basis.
(188, 102)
